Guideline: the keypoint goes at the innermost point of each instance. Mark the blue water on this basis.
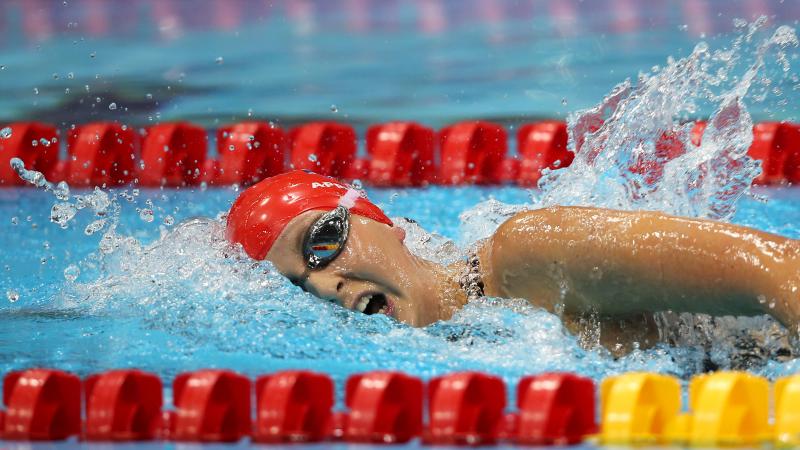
(160, 292)
(436, 61)
(134, 308)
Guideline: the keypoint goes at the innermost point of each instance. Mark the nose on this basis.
(325, 284)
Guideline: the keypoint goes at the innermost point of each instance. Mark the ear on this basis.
(399, 232)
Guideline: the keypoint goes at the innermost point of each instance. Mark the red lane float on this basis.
(471, 153)
(384, 407)
(399, 153)
(293, 406)
(697, 132)
(650, 166)
(358, 170)
(123, 405)
(173, 154)
(211, 406)
(249, 152)
(465, 408)
(402, 154)
(555, 408)
(36, 144)
(101, 154)
(541, 145)
(41, 404)
(327, 148)
(777, 145)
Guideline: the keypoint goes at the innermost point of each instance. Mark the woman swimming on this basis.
(617, 267)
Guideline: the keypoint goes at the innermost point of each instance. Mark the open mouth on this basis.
(376, 303)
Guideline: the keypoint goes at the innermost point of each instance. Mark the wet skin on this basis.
(615, 266)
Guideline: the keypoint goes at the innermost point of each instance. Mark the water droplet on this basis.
(231, 148)
(71, 273)
(112, 106)
(219, 60)
(94, 227)
(55, 76)
(5, 133)
(35, 91)
(2, 67)
(334, 109)
(14, 220)
(62, 213)
(564, 101)
(146, 214)
(312, 157)
(92, 55)
(12, 295)
(169, 221)
(148, 96)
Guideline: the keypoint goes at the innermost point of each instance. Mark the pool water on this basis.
(166, 300)
(143, 278)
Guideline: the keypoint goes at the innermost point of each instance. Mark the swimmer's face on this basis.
(373, 274)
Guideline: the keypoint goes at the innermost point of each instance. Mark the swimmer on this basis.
(617, 267)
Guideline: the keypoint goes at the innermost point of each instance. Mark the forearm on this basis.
(618, 263)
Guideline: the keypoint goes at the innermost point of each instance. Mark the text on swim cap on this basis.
(327, 184)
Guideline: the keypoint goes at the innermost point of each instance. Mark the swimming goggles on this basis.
(326, 238)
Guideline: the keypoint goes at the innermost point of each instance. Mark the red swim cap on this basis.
(261, 212)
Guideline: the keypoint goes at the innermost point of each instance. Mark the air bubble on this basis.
(71, 273)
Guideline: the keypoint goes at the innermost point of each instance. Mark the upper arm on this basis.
(620, 262)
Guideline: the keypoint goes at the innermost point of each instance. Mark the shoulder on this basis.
(550, 219)
(544, 232)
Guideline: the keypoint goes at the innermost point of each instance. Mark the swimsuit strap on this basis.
(471, 281)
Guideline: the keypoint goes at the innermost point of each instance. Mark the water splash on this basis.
(634, 150)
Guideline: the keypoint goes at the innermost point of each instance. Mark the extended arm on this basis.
(620, 263)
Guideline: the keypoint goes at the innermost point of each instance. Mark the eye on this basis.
(326, 238)
(325, 241)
